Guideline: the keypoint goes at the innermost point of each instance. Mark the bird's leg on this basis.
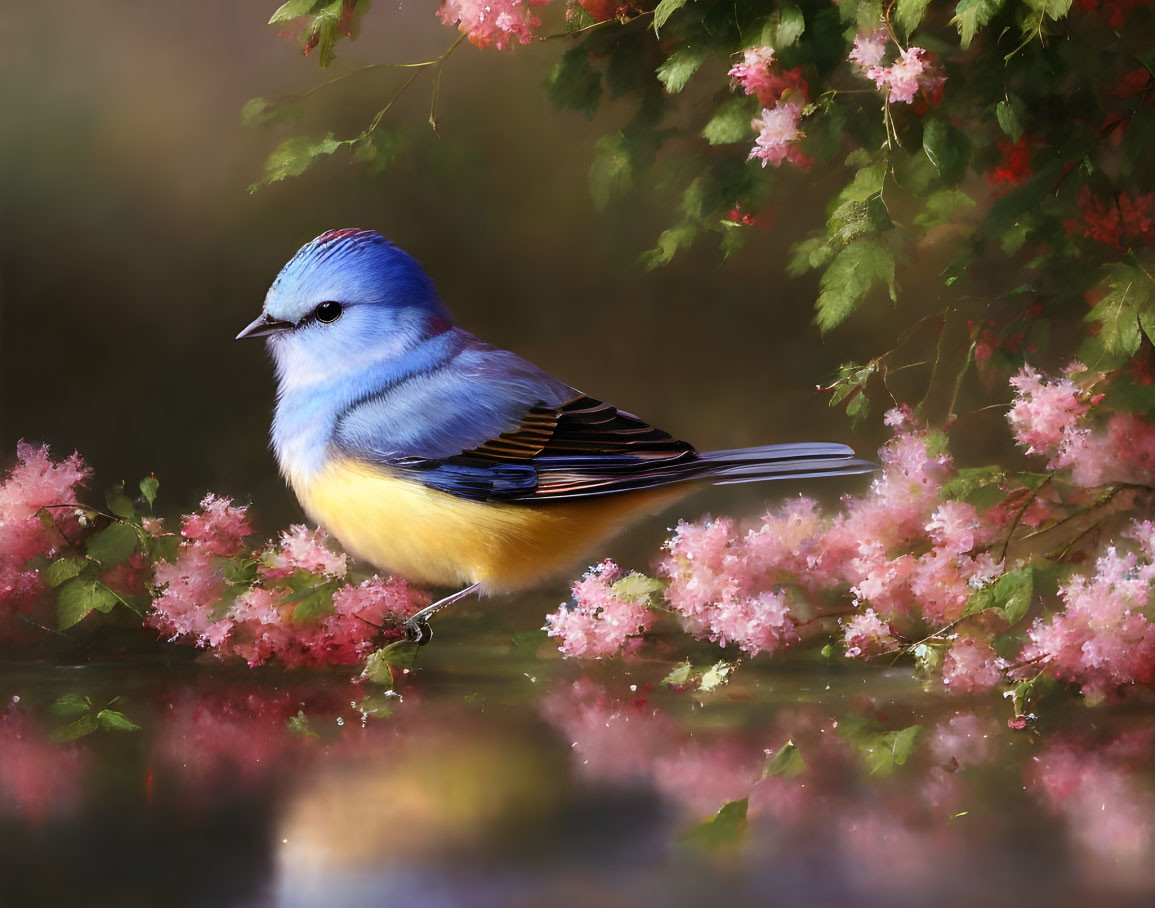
(417, 628)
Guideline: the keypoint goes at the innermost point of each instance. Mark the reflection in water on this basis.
(308, 789)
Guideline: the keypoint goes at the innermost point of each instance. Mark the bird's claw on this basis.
(418, 631)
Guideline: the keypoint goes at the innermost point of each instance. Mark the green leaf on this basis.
(858, 408)
(881, 750)
(63, 569)
(971, 15)
(262, 111)
(715, 676)
(299, 725)
(724, 829)
(112, 720)
(908, 13)
(113, 544)
(149, 486)
(969, 480)
(378, 706)
(731, 121)
(1124, 308)
(787, 762)
(675, 72)
(680, 676)
(573, 84)
(119, 503)
(669, 242)
(80, 596)
(85, 725)
(294, 156)
(1009, 113)
(1011, 592)
(948, 148)
(314, 605)
(70, 706)
(401, 654)
(635, 587)
(853, 273)
(784, 27)
(664, 10)
(611, 171)
(941, 206)
(293, 9)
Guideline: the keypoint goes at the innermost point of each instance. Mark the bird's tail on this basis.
(791, 461)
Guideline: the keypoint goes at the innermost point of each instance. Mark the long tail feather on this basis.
(790, 461)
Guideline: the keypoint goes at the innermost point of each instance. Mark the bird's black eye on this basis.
(328, 312)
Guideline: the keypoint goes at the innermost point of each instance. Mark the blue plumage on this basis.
(371, 370)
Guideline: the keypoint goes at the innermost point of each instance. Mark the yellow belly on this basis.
(438, 539)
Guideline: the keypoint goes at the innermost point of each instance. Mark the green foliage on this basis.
(82, 717)
(294, 156)
(380, 664)
(725, 829)
(113, 544)
(731, 121)
(908, 13)
(675, 72)
(859, 268)
(971, 15)
(1010, 594)
(880, 749)
(787, 762)
(664, 10)
(704, 678)
(573, 84)
(1123, 316)
(81, 596)
(325, 21)
(635, 587)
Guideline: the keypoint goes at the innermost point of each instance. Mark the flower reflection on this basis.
(38, 777)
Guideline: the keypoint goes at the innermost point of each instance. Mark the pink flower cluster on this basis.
(1103, 638)
(728, 586)
(912, 74)
(199, 603)
(778, 134)
(496, 22)
(30, 525)
(603, 621)
(782, 94)
(1051, 418)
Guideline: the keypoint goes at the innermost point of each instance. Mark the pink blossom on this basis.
(1103, 638)
(866, 635)
(496, 22)
(869, 48)
(913, 73)
(35, 483)
(38, 778)
(972, 666)
(964, 740)
(220, 528)
(757, 624)
(756, 76)
(1044, 416)
(601, 621)
(1105, 799)
(955, 528)
(777, 134)
(302, 549)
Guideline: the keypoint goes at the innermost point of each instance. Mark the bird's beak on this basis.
(264, 324)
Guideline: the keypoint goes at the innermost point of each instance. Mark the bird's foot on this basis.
(418, 631)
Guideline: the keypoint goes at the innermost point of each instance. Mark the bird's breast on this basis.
(435, 538)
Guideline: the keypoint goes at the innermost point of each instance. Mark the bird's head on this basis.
(345, 295)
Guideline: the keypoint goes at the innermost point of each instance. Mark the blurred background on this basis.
(132, 252)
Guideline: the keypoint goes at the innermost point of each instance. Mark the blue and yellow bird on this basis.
(438, 457)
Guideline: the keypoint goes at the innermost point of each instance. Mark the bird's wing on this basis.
(581, 448)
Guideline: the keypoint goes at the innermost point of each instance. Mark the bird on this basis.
(451, 462)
